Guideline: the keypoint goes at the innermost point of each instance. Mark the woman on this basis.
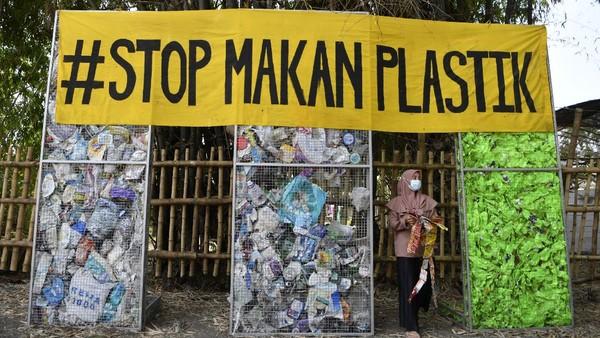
(405, 213)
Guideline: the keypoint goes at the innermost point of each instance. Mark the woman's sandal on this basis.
(412, 334)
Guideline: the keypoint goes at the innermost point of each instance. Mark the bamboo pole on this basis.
(453, 214)
(574, 225)
(196, 163)
(581, 170)
(11, 243)
(183, 237)
(442, 236)
(571, 152)
(22, 164)
(195, 214)
(437, 258)
(205, 242)
(31, 229)
(441, 205)
(421, 149)
(187, 255)
(17, 200)
(408, 165)
(172, 214)
(4, 190)
(430, 180)
(383, 220)
(583, 209)
(220, 174)
(204, 201)
(11, 212)
(161, 213)
(583, 219)
(14, 259)
(390, 232)
(154, 210)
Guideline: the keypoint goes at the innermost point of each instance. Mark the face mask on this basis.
(415, 185)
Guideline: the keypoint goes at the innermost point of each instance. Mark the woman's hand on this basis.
(411, 220)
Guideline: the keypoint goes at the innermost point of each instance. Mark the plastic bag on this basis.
(301, 191)
(114, 299)
(48, 185)
(54, 293)
(361, 198)
(103, 220)
(267, 221)
(44, 260)
(312, 144)
(87, 296)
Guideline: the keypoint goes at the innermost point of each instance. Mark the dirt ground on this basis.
(188, 311)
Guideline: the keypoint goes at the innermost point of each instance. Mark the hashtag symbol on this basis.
(88, 84)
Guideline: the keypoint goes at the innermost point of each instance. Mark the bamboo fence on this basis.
(190, 219)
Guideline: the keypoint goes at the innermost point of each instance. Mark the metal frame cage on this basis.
(90, 231)
(507, 173)
(302, 258)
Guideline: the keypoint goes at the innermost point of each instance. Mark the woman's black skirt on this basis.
(408, 275)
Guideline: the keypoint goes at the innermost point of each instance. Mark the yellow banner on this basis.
(298, 68)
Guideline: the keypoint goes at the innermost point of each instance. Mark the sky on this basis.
(574, 51)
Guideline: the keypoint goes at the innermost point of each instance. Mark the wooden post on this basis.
(14, 259)
(183, 236)
(11, 212)
(161, 213)
(205, 242)
(195, 215)
(220, 174)
(172, 214)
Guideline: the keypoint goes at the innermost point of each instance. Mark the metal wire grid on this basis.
(302, 255)
(89, 245)
(256, 144)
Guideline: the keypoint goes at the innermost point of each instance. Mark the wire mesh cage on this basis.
(512, 226)
(90, 235)
(89, 245)
(302, 260)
